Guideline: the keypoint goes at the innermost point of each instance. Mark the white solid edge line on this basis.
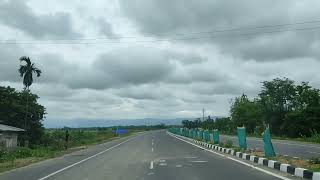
(241, 162)
(151, 165)
(86, 159)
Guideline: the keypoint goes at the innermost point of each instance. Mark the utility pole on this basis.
(202, 114)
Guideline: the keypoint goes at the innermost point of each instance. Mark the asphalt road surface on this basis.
(150, 156)
(283, 147)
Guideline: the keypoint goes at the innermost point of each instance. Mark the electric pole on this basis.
(202, 114)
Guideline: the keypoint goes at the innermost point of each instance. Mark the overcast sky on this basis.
(127, 59)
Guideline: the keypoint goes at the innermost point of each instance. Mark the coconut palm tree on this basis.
(26, 71)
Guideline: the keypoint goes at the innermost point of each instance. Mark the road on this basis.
(283, 147)
(151, 156)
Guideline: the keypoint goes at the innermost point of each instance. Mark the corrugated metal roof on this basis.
(9, 128)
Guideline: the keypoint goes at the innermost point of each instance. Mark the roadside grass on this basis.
(54, 146)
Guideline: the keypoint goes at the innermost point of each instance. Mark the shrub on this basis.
(228, 144)
(22, 152)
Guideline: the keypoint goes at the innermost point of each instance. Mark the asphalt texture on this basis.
(153, 155)
(282, 147)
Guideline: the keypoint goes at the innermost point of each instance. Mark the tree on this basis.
(191, 124)
(26, 71)
(305, 119)
(246, 112)
(290, 110)
(277, 98)
(12, 111)
(225, 125)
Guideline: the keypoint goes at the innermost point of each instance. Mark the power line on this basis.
(209, 34)
(181, 34)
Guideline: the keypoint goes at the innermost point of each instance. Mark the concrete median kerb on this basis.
(300, 172)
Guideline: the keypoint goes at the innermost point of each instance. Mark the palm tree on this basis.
(26, 71)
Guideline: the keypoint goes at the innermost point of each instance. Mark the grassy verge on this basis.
(54, 146)
(313, 164)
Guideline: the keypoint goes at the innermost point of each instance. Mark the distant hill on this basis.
(106, 123)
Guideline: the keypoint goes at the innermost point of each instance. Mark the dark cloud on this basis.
(105, 28)
(17, 14)
(9, 62)
(166, 19)
(136, 65)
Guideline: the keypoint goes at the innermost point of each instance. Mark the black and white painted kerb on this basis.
(300, 172)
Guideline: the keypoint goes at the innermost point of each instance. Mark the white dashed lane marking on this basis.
(151, 165)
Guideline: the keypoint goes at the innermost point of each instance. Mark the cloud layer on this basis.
(161, 62)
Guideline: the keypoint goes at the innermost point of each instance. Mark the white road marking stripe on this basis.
(190, 157)
(163, 164)
(179, 165)
(86, 159)
(241, 162)
(152, 149)
(151, 165)
(199, 161)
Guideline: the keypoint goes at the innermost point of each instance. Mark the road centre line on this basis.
(199, 161)
(151, 165)
(84, 160)
(241, 162)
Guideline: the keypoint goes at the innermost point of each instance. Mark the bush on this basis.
(228, 144)
(221, 144)
(22, 152)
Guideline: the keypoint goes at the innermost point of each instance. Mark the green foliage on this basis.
(228, 144)
(290, 110)
(315, 160)
(224, 125)
(53, 141)
(26, 71)
(246, 112)
(191, 124)
(13, 113)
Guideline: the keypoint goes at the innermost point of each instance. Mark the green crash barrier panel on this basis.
(242, 137)
(268, 147)
(206, 136)
(216, 138)
(202, 134)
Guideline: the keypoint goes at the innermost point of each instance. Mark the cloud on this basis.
(18, 15)
(105, 28)
(9, 62)
(164, 79)
(166, 20)
(123, 67)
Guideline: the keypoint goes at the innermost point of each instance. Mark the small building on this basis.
(9, 136)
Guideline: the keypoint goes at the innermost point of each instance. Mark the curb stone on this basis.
(300, 172)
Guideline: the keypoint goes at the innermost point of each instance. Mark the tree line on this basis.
(288, 108)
